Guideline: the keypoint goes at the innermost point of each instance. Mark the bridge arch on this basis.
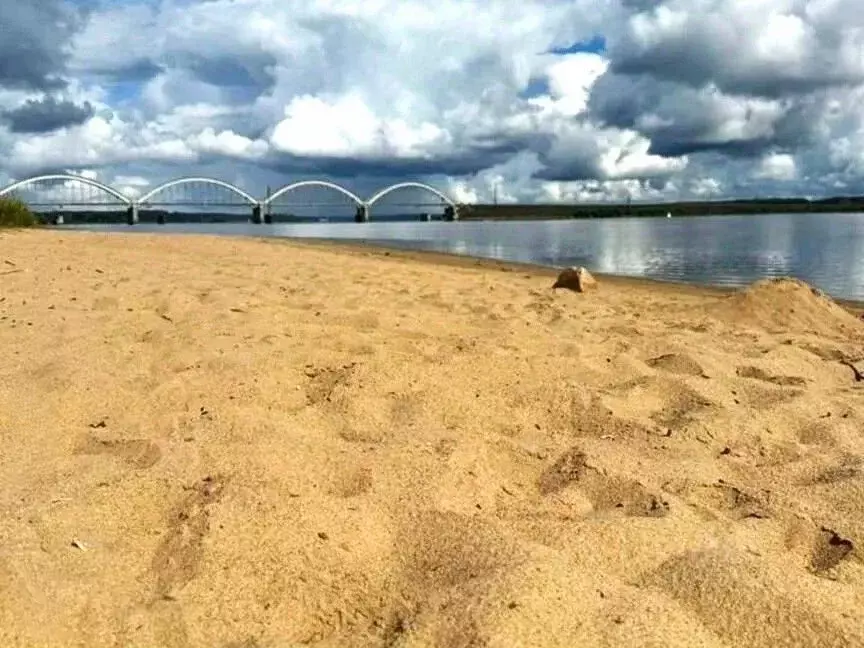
(189, 180)
(314, 183)
(406, 185)
(68, 177)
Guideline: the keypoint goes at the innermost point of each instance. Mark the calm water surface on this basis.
(826, 250)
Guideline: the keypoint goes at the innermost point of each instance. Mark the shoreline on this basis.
(376, 249)
(452, 259)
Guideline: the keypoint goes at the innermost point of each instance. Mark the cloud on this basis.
(347, 127)
(43, 116)
(774, 48)
(777, 166)
(680, 120)
(31, 47)
(550, 100)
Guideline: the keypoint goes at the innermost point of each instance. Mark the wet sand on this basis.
(225, 442)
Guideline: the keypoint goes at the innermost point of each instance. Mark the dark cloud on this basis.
(732, 148)
(480, 153)
(137, 71)
(685, 62)
(680, 120)
(351, 167)
(640, 5)
(230, 71)
(572, 158)
(581, 168)
(46, 115)
(33, 34)
(708, 49)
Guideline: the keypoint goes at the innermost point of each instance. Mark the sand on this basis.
(236, 443)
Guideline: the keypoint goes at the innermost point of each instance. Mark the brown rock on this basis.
(578, 279)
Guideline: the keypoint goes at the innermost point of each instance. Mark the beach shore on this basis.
(221, 442)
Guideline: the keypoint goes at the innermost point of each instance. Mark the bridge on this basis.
(68, 193)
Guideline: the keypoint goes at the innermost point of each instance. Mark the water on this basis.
(825, 250)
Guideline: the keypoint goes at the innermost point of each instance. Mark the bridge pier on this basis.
(362, 215)
(450, 213)
(132, 215)
(256, 215)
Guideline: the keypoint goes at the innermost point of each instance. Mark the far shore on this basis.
(751, 207)
(534, 212)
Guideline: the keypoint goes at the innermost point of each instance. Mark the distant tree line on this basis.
(83, 216)
(487, 212)
(693, 208)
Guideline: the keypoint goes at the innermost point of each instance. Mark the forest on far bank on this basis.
(612, 210)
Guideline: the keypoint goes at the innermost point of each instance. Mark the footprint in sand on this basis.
(605, 492)
(445, 549)
(364, 320)
(848, 468)
(821, 548)
(447, 561)
(682, 410)
(818, 433)
(738, 502)
(324, 382)
(679, 405)
(177, 557)
(406, 408)
(763, 398)
(352, 483)
(138, 453)
(829, 550)
(670, 403)
(759, 374)
(598, 421)
(825, 352)
(251, 642)
(105, 303)
(677, 363)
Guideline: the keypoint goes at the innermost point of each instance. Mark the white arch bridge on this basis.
(64, 191)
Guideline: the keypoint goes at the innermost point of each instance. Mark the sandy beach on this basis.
(217, 442)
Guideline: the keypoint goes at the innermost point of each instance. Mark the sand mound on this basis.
(739, 599)
(786, 304)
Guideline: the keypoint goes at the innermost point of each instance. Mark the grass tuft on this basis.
(16, 213)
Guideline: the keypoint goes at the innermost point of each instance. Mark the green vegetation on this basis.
(16, 213)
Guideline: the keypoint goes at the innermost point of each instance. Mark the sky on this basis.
(530, 101)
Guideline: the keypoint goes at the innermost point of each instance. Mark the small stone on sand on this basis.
(577, 279)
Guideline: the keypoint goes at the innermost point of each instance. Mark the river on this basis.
(825, 250)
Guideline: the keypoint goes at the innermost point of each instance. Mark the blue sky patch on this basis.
(596, 45)
(537, 87)
(121, 92)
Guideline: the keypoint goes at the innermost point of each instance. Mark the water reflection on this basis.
(825, 250)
